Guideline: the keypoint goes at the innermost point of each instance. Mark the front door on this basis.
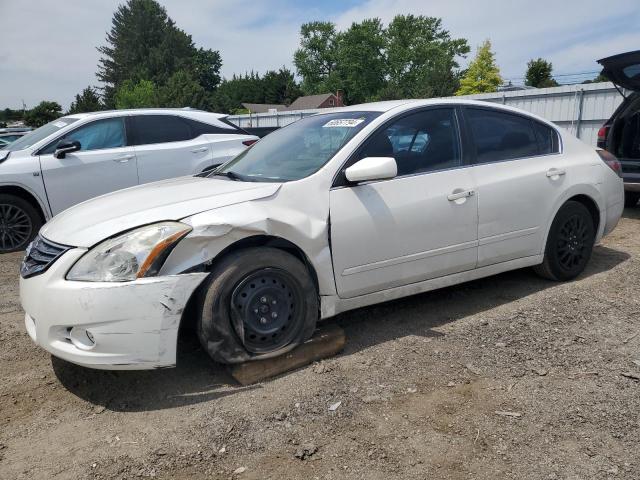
(421, 224)
(103, 164)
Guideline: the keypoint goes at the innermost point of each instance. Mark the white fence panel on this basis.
(581, 109)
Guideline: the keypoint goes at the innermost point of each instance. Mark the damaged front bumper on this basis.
(115, 326)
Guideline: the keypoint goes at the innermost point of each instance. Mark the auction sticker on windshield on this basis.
(344, 122)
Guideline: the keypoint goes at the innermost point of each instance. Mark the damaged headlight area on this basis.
(135, 254)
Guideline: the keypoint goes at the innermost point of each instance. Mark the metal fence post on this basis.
(579, 119)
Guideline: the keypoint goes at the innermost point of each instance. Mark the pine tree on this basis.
(483, 75)
(145, 44)
(86, 101)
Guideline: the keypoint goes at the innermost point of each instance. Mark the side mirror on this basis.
(372, 168)
(66, 146)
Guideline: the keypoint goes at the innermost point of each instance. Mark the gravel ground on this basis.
(506, 377)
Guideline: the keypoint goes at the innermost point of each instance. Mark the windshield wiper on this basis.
(229, 174)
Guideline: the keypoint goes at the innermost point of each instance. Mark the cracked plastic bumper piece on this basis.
(127, 325)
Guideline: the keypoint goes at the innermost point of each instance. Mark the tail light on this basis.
(611, 161)
(248, 143)
(602, 136)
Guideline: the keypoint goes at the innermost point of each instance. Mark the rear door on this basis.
(168, 146)
(623, 69)
(103, 164)
(519, 174)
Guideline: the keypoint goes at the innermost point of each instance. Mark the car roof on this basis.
(185, 112)
(408, 104)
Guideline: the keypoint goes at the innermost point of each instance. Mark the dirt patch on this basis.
(418, 387)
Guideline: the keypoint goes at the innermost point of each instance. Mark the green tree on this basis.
(483, 75)
(182, 90)
(8, 115)
(413, 57)
(277, 87)
(43, 113)
(86, 101)
(280, 87)
(599, 78)
(539, 74)
(142, 94)
(315, 60)
(421, 58)
(206, 68)
(145, 44)
(360, 62)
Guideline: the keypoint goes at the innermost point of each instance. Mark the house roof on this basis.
(309, 101)
(263, 107)
(300, 103)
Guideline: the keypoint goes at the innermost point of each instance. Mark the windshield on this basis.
(298, 150)
(41, 133)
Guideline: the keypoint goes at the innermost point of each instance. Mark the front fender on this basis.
(216, 230)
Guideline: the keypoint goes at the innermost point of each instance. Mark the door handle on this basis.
(199, 150)
(555, 172)
(452, 197)
(123, 159)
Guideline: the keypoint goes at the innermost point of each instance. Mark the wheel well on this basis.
(25, 195)
(189, 315)
(591, 205)
(269, 241)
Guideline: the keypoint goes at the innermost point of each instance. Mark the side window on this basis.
(547, 138)
(200, 128)
(421, 142)
(98, 135)
(150, 129)
(501, 136)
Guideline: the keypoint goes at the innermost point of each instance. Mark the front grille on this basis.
(40, 255)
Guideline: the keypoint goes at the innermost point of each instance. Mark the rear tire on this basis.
(631, 199)
(569, 244)
(19, 223)
(257, 303)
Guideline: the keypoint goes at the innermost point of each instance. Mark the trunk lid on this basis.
(623, 69)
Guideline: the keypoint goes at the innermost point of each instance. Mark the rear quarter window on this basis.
(548, 141)
(200, 128)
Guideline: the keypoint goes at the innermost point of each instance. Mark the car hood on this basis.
(92, 221)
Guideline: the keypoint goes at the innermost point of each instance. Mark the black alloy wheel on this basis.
(573, 241)
(569, 243)
(16, 227)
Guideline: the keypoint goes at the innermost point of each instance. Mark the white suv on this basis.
(81, 156)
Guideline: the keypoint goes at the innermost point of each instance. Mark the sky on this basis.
(48, 48)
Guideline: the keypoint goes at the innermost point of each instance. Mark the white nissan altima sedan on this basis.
(339, 210)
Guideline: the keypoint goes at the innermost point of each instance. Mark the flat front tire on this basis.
(569, 244)
(256, 303)
(19, 223)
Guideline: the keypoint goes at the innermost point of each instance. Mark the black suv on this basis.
(621, 134)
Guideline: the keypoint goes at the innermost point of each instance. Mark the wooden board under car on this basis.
(326, 342)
